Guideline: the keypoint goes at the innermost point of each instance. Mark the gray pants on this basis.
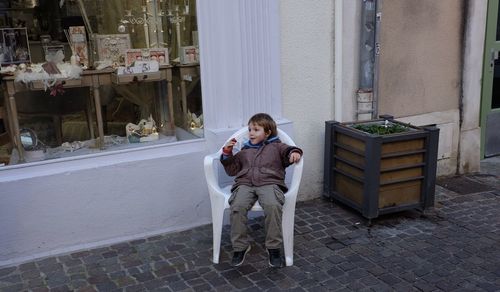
(271, 198)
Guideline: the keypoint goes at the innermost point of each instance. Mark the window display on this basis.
(125, 74)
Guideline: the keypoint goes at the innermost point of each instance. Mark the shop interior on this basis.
(58, 120)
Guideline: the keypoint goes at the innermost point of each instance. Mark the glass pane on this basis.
(153, 38)
(498, 24)
(495, 97)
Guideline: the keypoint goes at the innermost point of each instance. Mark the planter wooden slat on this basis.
(400, 174)
(392, 162)
(377, 174)
(404, 193)
(402, 146)
(352, 189)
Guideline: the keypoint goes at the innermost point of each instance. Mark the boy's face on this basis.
(256, 133)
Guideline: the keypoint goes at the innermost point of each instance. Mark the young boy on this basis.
(259, 170)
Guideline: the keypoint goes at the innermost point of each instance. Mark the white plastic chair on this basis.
(219, 195)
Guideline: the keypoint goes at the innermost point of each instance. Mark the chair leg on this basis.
(217, 218)
(288, 229)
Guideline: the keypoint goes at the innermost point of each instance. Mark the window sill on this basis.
(100, 159)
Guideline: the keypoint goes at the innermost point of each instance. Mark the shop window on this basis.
(142, 54)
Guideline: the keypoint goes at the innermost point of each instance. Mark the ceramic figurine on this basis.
(144, 131)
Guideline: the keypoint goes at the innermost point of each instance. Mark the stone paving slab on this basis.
(453, 247)
(466, 185)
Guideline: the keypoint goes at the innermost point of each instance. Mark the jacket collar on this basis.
(271, 139)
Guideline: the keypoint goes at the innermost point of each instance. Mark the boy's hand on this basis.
(294, 157)
(228, 148)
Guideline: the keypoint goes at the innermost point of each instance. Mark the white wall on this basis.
(307, 81)
(101, 201)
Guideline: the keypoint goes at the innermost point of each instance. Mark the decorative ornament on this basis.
(121, 28)
(144, 131)
(57, 89)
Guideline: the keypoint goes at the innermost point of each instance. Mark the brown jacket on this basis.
(260, 166)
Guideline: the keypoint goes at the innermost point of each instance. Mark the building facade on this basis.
(297, 60)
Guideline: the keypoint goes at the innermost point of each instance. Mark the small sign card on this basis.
(79, 43)
(155, 54)
(112, 47)
(139, 67)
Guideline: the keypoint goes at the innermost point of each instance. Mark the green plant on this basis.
(381, 129)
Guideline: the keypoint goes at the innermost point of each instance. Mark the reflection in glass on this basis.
(28, 139)
(498, 24)
(495, 97)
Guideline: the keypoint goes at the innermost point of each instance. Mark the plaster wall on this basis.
(351, 27)
(473, 60)
(475, 29)
(449, 133)
(307, 74)
(101, 201)
(421, 56)
(430, 73)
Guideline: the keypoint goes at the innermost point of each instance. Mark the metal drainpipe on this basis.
(338, 59)
(368, 61)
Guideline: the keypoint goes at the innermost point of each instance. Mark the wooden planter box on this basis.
(380, 174)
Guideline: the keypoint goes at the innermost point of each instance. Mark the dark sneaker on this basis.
(274, 258)
(239, 257)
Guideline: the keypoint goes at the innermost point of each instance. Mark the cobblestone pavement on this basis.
(454, 247)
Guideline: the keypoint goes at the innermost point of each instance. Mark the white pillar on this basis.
(240, 61)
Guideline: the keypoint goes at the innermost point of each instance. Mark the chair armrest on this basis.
(210, 172)
(297, 176)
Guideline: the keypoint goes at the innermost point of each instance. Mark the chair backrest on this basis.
(241, 137)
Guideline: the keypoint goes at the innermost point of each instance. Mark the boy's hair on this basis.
(266, 122)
